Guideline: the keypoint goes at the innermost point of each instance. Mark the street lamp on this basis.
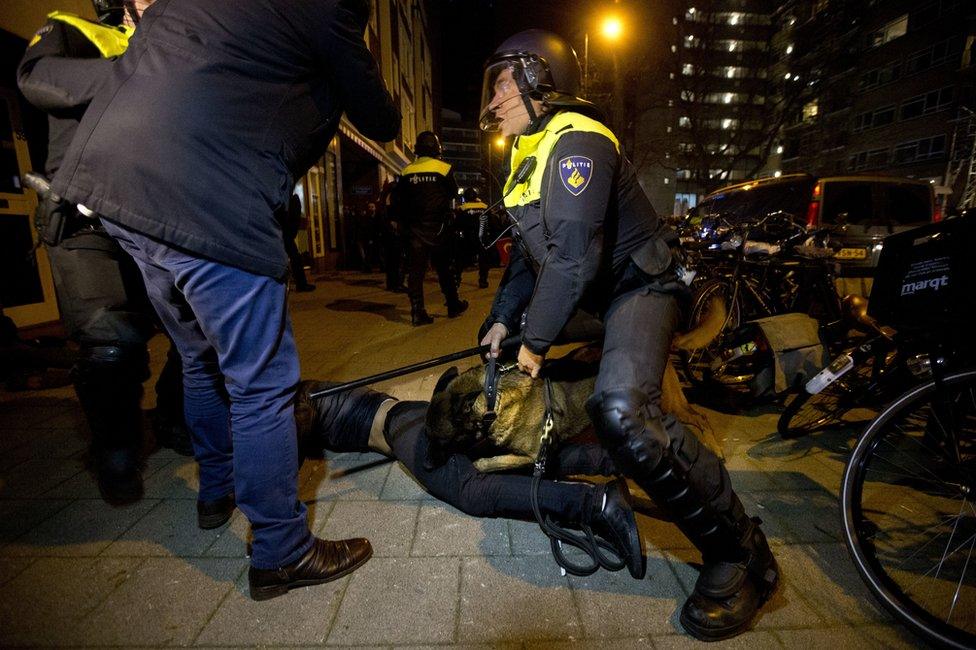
(612, 28)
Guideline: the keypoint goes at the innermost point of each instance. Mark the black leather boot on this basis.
(612, 517)
(419, 315)
(690, 483)
(456, 307)
(108, 381)
(339, 422)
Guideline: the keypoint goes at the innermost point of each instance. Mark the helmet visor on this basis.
(500, 93)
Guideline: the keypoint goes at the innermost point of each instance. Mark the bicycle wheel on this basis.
(806, 413)
(697, 363)
(908, 509)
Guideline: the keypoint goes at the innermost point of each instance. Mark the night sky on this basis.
(470, 30)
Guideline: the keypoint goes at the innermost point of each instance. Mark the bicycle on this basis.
(757, 280)
(907, 495)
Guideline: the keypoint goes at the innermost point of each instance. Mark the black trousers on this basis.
(458, 483)
(419, 254)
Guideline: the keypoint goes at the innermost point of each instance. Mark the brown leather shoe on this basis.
(326, 560)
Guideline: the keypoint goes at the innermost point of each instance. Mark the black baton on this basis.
(415, 367)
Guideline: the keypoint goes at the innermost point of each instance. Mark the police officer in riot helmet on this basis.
(471, 221)
(589, 239)
(100, 291)
(424, 199)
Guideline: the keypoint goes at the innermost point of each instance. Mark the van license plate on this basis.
(852, 254)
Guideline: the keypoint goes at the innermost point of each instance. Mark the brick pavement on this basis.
(76, 572)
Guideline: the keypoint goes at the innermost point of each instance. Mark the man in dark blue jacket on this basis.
(187, 153)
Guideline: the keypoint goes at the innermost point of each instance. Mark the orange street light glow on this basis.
(612, 28)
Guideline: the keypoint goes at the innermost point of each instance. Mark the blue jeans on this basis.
(240, 373)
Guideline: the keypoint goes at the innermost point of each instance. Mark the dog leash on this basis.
(588, 543)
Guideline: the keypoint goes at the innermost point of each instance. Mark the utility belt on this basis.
(57, 221)
(659, 264)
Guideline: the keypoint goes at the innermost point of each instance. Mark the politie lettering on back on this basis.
(910, 288)
(424, 178)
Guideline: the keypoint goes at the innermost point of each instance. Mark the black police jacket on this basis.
(213, 113)
(576, 244)
(59, 74)
(424, 199)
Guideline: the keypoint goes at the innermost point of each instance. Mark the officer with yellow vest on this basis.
(424, 200)
(589, 239)
(470, 215)
(100, 291)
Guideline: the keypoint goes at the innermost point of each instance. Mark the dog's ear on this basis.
(445, 379)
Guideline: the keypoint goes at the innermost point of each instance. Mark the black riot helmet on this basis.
(471, 195)
(544, 67)
(428, 144)
(112, 12)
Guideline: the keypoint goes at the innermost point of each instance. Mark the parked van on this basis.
(865, 209)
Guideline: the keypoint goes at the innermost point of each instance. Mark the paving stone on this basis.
(46, 443)
(177, 479)
(17, 516)
(825, 578)
(232, 538)
(389, 527)
(334, 481)
(33, 478)
(830, 639)
(83, 485)
(443, 530)
(512, 599)
(43, 603)
(594, 644)
(752, 640)
(399, 600)
(613, 604)
(169, 529)
(84, 528)
(31, 410)
(401, 486)
(894, 636)
(818, 523)
(302, 617)
(10, 567)
(528, 538)
(165, 601)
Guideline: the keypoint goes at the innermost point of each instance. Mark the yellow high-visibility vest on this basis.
(110, 41)
(541, 145)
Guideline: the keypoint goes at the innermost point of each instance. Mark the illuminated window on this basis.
(789, 49)
(810, 110)
(728, 98)
(726, 123)
(734, 19)
(779, 149)
(732, 46)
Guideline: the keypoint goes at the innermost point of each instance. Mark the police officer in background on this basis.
(100, 292)
(188, 152)
(590, 239)
(424, 202)
(471, 214)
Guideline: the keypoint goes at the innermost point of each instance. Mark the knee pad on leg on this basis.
(638, 442)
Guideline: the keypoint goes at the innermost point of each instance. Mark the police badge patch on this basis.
(575, 172)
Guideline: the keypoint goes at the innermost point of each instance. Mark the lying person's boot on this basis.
(341, 421)
(216, 513)
(728, 594)
(456, 308)
(612, 517)
(325, 561)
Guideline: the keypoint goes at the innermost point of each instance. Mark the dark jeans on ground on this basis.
(232, 330)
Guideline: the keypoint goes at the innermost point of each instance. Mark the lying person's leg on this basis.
(344, 422)
(590, 459)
